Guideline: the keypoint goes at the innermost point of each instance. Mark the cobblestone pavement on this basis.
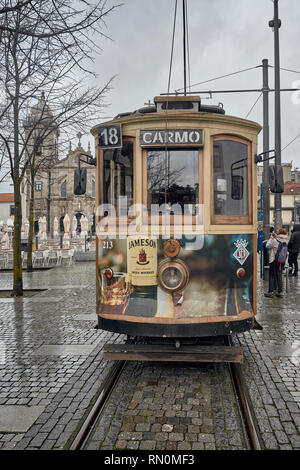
(51, 367)
(63, 384)
(170, 408)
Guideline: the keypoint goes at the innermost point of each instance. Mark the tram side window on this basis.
(172, 178)
(230, 176)
(118, 175)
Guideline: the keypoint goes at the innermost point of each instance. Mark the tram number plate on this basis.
(110, 136)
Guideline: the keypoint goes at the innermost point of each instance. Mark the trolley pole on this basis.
(275, 24)
(184, 45)
(266, 195)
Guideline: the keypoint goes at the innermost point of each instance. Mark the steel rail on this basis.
(86, 428)
(253, 439)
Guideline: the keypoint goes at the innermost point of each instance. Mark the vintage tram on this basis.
(176, 221)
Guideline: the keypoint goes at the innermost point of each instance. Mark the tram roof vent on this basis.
(190, 104)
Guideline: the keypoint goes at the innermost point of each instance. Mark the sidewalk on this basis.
(49, 348)
(51, 367)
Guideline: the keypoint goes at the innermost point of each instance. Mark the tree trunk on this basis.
(31, 226)
(17, 278)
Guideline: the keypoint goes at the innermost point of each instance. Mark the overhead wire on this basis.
(166, 161)
(289, 70)
(222, 76)
(293, 140)
(188, 46)
(172, 47)
(253, 106)
(184, 43)
(285, 69)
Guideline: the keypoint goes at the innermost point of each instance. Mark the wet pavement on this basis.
(51, 368)
(167, 407)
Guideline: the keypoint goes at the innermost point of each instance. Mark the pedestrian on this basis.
(265, 250)
(275, 271)
(294, 249)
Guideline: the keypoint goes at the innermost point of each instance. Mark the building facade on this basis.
(54, 177)
(289, 197)
(7, 206)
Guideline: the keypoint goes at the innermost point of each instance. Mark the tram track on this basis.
(87, 426)
(247, 416)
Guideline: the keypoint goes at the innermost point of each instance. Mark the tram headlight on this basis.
(173, 275)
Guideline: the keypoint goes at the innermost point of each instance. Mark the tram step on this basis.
(167, 353)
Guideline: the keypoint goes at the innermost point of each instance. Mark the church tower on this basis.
(53, 177)
(41, 135)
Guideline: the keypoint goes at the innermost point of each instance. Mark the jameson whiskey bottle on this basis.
(142, 268)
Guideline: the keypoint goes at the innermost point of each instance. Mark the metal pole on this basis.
(276, 23)
(49, 204)
(184, 45)
(266, 195)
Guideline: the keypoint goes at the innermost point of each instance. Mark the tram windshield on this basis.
(172, 178)
(230, 178)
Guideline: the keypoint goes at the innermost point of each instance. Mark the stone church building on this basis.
(54, 177)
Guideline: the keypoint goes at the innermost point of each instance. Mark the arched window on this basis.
(61, 224)
(63, 189)
(93, 188)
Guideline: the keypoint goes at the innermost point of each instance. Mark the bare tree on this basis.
(8, 7)
(45, 47)
(40, 159)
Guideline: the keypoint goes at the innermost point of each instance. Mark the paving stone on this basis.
(147, 445)
(174, 436)
(18, 418)
(38, 440)
(184, 445)
(295, 441)
(121, 445)
(209, 446)
(197, 446)
(167, 428)
(270, 441)
(161, 436)
(142, 427)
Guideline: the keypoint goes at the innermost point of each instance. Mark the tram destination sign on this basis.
(158, 137)
(109, 136)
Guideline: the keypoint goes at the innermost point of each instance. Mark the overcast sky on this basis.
(224, 36)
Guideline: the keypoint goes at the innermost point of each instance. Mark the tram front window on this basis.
(172, 178)
(118, 175)
(230, 178)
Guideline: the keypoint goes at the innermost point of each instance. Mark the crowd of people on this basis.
(278, 247)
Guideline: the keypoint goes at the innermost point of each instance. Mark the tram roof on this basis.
(176, 107)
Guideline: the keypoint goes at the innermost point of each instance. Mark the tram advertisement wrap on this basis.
(142, 261)
(214, 286)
